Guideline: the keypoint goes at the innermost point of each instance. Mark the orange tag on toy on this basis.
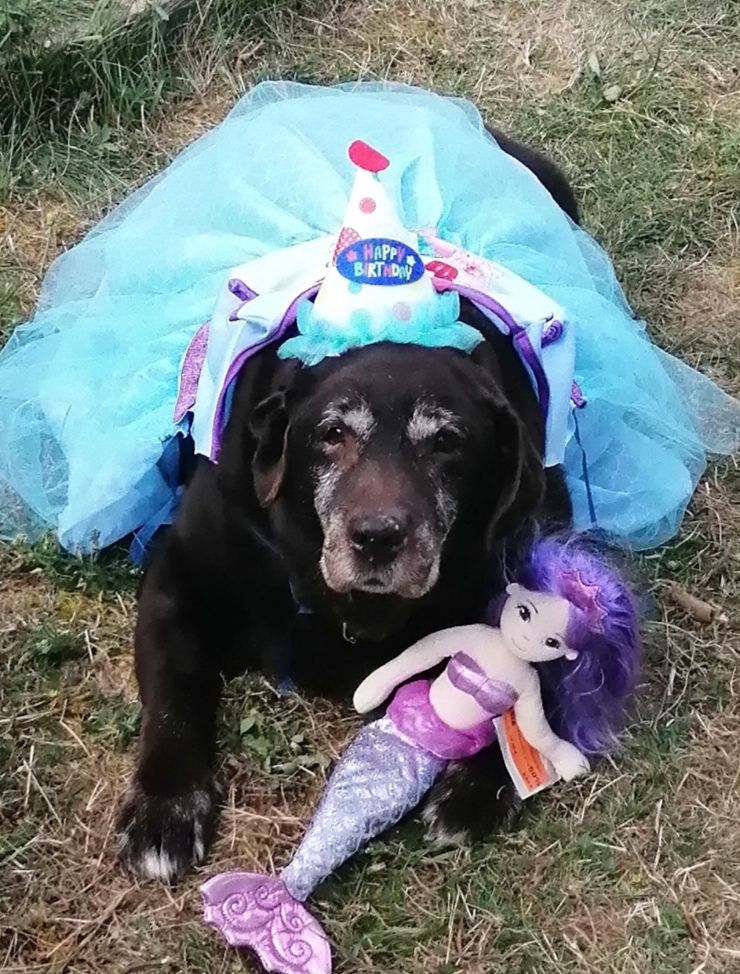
(530, 771)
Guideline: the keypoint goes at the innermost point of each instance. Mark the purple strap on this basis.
(552, 331)
(219, 419)
(518, 334)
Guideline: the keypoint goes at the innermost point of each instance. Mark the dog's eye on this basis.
(524, 614)
(445, 441)
(552, 643)
(332, 435)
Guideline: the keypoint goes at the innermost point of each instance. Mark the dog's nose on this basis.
(378, 538)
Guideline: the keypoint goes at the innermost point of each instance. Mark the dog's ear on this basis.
(522, 484)
(269, 424)
(517, 429)
(519, 470)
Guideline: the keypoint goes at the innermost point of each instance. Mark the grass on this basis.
(636, 868)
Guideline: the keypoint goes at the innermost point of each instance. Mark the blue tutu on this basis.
(88, 386)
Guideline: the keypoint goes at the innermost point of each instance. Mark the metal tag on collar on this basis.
(347, 635)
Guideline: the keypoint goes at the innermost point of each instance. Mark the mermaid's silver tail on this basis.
(375, 783)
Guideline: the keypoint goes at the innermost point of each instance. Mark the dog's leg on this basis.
(167, 818)
(472, 800)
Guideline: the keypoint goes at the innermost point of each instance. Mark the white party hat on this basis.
(377, 269)
(376, 287)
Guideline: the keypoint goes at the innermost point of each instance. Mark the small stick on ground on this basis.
(697, 608)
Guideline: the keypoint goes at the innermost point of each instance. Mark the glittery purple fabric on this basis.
(417, 721)
(375, 783)
(190, 369)
(576, 396)
(494, 696)
(260, 913)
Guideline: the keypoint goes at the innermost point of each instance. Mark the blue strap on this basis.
(584, 471)
(286, 686)
(169, 467)
(142, 538)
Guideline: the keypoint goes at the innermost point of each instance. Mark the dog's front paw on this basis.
(470, 801)
(161, 837)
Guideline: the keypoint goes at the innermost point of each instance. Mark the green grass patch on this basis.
(270, 734)
(48, 648)
(643, 161)
(106, 59)
(112, 721)
(109, 573)
(80, 91)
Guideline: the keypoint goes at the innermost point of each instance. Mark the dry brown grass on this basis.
(31, 236)
(711, 299)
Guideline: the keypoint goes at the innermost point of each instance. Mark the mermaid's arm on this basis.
(568, 761)
(422, 656)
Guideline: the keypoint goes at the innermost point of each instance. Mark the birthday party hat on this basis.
(376, 287)
(377, 269)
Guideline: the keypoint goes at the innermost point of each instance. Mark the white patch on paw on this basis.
(162, 829)
(430, 810)
(199, 847)
(155, 865)
(440, 838)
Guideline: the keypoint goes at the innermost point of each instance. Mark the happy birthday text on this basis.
(380, 262)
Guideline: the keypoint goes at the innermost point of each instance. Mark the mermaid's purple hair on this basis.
(586, 699)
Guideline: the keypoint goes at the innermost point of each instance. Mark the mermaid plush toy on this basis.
(568, 627)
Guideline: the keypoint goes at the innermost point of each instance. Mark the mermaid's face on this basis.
(534, 624)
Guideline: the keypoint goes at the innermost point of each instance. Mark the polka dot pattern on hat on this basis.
(402, 311)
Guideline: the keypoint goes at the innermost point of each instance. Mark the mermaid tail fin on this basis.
(259, 912)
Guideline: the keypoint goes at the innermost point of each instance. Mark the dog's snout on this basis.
(380, 537)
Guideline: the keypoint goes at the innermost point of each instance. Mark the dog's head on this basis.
(373, 462)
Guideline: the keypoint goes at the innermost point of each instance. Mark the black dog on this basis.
(374, 491)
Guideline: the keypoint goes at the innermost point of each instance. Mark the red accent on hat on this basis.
(365, 157)
(346, 237)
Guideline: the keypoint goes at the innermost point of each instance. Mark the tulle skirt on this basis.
(88, 385)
